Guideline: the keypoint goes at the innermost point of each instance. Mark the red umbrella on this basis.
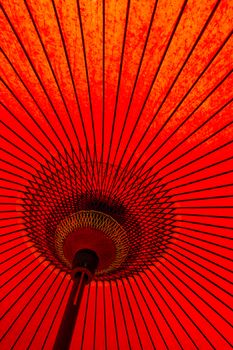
(116, 167)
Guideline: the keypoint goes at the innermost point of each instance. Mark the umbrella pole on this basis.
(84, 265)
(66, 329)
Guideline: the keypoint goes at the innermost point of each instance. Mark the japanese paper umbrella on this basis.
(116, 174)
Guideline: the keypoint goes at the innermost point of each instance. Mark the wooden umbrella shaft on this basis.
(65, 333)
(84, 265)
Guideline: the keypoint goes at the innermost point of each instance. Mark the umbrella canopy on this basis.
(119, 114)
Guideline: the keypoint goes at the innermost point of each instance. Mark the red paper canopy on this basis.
(124, 108)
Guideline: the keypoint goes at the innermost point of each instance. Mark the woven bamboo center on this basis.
(95, 231)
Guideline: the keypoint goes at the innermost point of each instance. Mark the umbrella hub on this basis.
(91, 231)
